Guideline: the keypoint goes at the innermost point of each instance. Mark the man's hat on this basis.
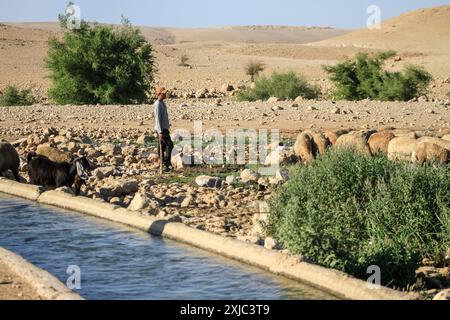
(160, 90)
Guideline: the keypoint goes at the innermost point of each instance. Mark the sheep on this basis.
(42, 171)
(9, 159)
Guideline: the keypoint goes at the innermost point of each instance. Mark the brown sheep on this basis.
(332, 136)
(379, 141)
(303, 147)
(355, 140)
(401, 148)
(440, 142)
(430, 152)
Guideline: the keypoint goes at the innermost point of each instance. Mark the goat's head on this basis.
(83, 166)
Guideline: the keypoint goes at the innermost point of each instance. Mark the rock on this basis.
(115, 200)
(303, 147)
(443, 295)
(103, 172)
(111, 188)
(354, 140)
(207, 181)
(401, 148)
(446, 137)
(430, 153)
(227, 88)
(187, 202)
(230, 180)
(144, 139)
(282, 175)
(139, 202)
(249, 176)
(335, 110)
(129, 186)
(66, 190)
(379, 141)
(51, 131)
(273, 100)
(110, 149)
(174, 218)
(270, 243)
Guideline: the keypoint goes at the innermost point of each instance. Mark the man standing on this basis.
(162, 128)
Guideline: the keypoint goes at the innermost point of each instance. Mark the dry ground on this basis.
(218, 55)
(12, 287)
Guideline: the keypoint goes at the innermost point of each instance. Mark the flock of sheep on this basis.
(396, 144)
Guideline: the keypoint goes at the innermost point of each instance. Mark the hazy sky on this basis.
(210, 13)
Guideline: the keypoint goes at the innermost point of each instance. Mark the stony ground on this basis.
(229, 200)
(12, 287)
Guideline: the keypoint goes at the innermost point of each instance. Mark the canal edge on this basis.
(47, 286)
(332, 281)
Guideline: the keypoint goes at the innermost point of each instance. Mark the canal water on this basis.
(117, 262)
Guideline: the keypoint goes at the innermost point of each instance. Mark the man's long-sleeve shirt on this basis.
(161, 116)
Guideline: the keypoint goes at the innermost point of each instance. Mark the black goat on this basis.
(44, 172)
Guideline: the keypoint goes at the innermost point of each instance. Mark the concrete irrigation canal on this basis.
(117, 262)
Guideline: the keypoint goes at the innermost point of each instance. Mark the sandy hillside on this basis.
(217, 56)
(425, 30)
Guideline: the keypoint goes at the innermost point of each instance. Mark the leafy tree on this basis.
(100, 64)
(365, 78)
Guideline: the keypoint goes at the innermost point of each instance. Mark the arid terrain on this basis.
(119, 139)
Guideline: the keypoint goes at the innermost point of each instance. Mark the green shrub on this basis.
(365, 78)
(100, 64)
(348, 211)
(12, 96)
(280, 85)
(253, 68)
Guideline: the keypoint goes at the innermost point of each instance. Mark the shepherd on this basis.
(162, 126)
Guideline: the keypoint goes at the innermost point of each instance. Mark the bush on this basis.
(183, 61)
(253, 68)
(365, 78)
(280, 85)
(12, 96)
(348, 211)
(100, 64)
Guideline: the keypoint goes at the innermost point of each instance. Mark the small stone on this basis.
(249, 175)
(336, 110)
(207, 181)
(139, 202)
(443, 295)
(270, 243)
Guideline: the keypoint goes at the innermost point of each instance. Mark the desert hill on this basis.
(218, 55)
(425, 30)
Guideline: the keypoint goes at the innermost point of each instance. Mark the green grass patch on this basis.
(348, 211)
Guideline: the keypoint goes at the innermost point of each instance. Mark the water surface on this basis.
(118, 262)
